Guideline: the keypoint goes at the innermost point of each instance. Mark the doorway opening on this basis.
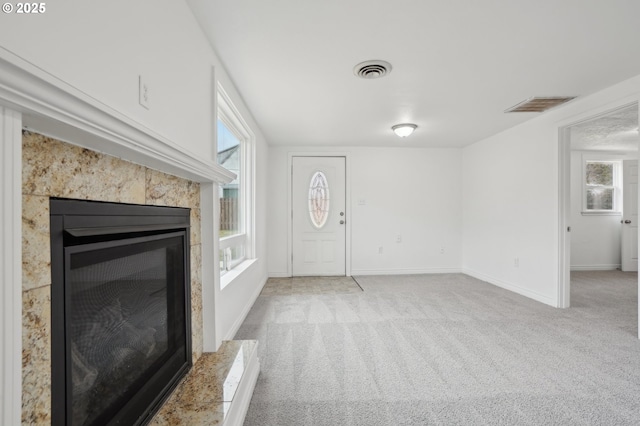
(598, 195)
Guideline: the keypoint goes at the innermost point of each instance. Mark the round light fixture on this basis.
(403, 130)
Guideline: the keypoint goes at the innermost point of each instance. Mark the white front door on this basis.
(318, 202)
(630, 215)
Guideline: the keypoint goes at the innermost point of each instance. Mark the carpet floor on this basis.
(449, 350)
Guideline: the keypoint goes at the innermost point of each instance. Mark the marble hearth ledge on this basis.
(217, 390)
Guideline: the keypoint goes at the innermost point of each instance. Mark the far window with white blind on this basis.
(235, 198)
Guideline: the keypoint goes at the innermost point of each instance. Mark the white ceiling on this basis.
(457, 65)
(616, 131)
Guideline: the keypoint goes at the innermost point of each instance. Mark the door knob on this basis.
(342, 222)
(627, 221)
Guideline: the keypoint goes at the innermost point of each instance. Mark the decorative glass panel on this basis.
(318, 199)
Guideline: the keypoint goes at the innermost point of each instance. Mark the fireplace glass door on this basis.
(120, 310)
(125, 316)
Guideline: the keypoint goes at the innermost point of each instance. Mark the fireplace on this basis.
(120, 310)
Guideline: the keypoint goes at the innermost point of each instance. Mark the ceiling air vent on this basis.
(539, 103)
(372, 69)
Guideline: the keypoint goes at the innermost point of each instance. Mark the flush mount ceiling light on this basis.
(403, 130)
(372, 69)
(539, 103)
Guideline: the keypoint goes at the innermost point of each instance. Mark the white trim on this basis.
(11, 267)
(55, 108)
(512, 287)
(616, 161)
(564, 192)
(242, 398)
(564, 219)
(611, 267)
(231, 117)
(406, 271)
(229, 276)
(347, 164)
(211, 334)
(245, 311)
(600, 213)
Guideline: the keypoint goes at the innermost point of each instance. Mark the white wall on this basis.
(100, 48)
(595, 239)
(415, 193)
(511, 197)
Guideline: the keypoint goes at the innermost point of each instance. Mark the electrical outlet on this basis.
(143, 92)
(516, 262)
(441, 250)
(380, 250)
(398, 238)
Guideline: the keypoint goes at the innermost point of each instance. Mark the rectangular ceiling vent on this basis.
(540, 103)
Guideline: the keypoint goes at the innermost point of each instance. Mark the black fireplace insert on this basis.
(120, 310)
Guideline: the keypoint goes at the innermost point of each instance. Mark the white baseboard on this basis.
(611, 267)
(244, 393)
(405, 271)
(279, 275)
(245, 311)
(513, 287)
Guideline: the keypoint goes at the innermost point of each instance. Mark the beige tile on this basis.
(205, 394)
(196, 302)
(196, 227)
(166, 190)
(59, 169)
(206, 413)
(36, 356)
(36, 242)
(201, 397)
(310, 286)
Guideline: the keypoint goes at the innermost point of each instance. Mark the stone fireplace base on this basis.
(218, 389)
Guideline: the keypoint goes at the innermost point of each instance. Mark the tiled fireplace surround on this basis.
(53, 168)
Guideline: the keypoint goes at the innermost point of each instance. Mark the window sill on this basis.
(231, 275)
(600, 213)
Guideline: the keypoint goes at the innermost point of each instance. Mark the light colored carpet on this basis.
(448, 349)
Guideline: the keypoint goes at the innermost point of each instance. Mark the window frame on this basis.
(617, 185)
(229, 115)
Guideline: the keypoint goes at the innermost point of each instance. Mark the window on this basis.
(602, 187)
(234, 141)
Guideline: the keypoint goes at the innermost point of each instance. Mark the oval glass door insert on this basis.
(318, 199)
